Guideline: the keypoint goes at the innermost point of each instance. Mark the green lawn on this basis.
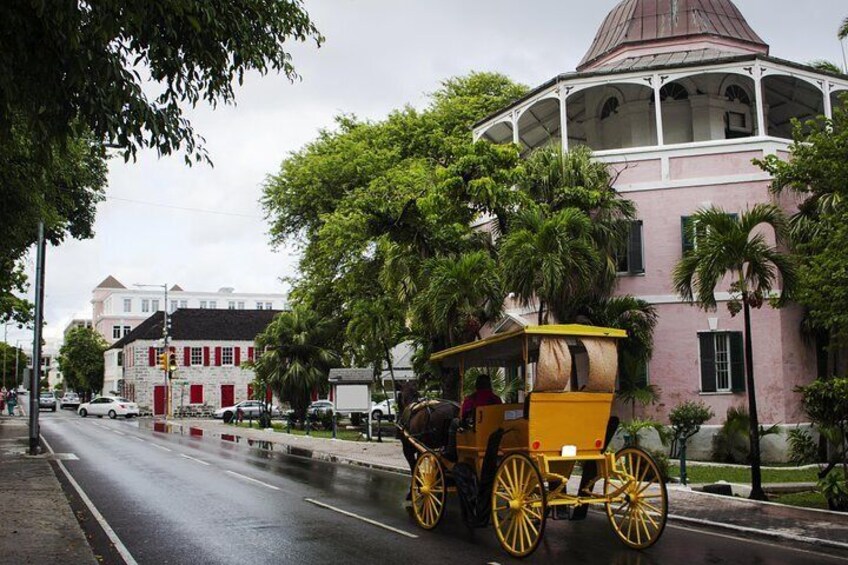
(803, 499)
(701, 474)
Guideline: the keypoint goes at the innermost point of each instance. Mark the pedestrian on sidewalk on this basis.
(11, 401)
(2, 399)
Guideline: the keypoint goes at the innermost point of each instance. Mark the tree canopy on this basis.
(125, 70)
(81, 359)
(13, 360)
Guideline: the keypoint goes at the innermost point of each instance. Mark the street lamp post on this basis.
(166, 341)
(5, 348)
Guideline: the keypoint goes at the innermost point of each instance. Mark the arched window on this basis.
(736, 93)
(673, 91)
(609, 108)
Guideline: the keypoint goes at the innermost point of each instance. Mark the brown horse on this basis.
(427, 421)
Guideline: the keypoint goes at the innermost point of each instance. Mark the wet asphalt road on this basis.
(175, 498)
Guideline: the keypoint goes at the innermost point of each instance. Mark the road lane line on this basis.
(362, 518)
(119, 433)
(107, 529)
(251, 479)
(139, 439)
(193, 459)
(160, 447)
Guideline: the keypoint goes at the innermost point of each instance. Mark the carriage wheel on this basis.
(428, 491)
(518, 505)
(639, 518)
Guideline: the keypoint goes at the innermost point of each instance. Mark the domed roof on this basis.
(635, 24)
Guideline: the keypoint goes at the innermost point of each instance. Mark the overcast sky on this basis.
(379, 55)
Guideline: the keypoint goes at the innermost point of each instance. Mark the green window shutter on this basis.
(737, 362)
(686, 234)
(635, 261)
(707, 351)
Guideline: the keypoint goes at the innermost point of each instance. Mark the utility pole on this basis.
(5, 348)
(17, 360)
(35, 378)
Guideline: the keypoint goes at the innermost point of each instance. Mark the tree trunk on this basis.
(757, 492)
(392, 375)
(541, 311)
(450, 384)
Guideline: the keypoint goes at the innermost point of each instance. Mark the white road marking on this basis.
(139, 439)
(119, 433)
(362, 518)
(251, 479)
(107, 529)
(160, 447)
(193, 459)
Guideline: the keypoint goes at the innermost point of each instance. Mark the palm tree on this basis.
(557, 181)
(827, 66)
(295, 359)
(843, 29)
(736, 247)
(638, 318)
(549, 258)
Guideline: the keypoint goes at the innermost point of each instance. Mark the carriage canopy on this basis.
(567, 357)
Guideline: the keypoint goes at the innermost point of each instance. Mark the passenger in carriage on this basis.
(483, 395)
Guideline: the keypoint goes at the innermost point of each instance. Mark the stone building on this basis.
(209, 345)
(678, 97)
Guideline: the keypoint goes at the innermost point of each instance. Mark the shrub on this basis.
(802, 449)
(732, 444)
(834, 487)
(634, 428)
(687, 418)
(661, 459)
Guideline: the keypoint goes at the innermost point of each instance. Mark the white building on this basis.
(210, 347)
(117, 310)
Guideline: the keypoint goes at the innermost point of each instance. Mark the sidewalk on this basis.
(38, 524)
(686, 506)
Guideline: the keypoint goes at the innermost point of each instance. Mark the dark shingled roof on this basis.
(638, 22)
(192, 324)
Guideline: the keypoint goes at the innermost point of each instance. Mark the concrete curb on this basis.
(754, 531)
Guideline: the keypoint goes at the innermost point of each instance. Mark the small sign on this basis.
(569, 451)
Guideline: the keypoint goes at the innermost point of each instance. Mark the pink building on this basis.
(678, 96)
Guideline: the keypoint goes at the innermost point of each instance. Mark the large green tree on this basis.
(294, 358)
(81, 360)
(736, 249)
(390, 203)
(816, 175)
(62, 192)
(126, 71)
(13, 360)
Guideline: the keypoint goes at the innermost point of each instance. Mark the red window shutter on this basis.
(268, 394)
(250, 354)
(250, 392)
(205, 356)
(236, 356)
(151, 356)
(196, 394)
(217, 356)
(187, 356)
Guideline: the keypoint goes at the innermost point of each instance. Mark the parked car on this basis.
(250, 409)
(47, 400)
(70, 400)
(382, 409)
(109, 406)
(319, 409)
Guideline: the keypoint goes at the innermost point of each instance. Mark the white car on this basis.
(250, 409)
(381, 409)
(70, 400)
(109, 406)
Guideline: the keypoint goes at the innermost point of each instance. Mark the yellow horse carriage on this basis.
(513, 461)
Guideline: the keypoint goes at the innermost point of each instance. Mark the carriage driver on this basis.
(482, 396)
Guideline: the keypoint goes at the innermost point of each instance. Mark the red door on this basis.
(159, 400)
(228, 395)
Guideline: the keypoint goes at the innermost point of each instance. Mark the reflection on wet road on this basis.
(189, 496)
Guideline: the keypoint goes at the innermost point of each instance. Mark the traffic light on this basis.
(163, 361)
(172, 362)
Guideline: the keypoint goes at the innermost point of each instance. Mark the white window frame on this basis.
(228, 352)
(196, 357)
(126, 331)
(231, 305)
(269, 306)
(116, 332)
(240, 305)
(259, 305)
(145, 305)
(183, 303)
(154, 304)
(174, 306)
(203, 305)
(723, 367)
(127, 304)
(213, 304)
